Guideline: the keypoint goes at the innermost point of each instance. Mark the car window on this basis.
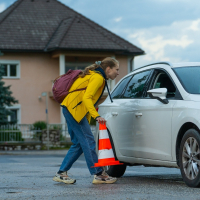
(189, 78)
(163, 81)
(136, 85)
(120, 88)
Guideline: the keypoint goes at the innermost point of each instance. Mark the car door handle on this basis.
(138, 114)
(114, 113)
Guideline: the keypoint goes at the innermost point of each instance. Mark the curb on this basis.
(35, 152)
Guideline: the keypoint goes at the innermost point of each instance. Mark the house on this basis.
(42, 39)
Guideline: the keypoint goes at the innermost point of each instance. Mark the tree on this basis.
(5, 100)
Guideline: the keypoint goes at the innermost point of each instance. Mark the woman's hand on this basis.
(101, 120)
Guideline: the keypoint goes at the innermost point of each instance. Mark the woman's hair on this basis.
(107, 62)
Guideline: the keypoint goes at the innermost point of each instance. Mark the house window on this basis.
(15, 113)
(81, 66)
(11, 69)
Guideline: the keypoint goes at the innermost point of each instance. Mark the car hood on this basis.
(193, 97)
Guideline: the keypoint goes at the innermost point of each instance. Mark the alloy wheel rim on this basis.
(191, 158)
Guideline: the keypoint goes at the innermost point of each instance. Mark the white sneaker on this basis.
(63, 177)
(103, 178)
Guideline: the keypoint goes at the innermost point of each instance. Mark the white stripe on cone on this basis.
(106, 154)
(103, 134)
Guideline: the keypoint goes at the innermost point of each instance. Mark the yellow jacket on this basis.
(79, 103)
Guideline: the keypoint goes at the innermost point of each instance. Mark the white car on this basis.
(154, 119)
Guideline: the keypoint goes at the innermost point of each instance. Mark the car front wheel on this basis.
(189, 156)
(115, 170)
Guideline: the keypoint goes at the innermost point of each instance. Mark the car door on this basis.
(116, 114)
(121, 113)
(152, 133)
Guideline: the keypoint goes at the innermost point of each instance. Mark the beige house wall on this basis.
(37, 70)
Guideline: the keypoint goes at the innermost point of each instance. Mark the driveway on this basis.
(30, 177)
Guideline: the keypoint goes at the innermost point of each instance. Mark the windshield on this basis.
(189, 78)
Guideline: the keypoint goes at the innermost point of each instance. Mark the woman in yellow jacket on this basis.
(76, 106)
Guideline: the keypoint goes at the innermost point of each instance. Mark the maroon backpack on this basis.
(63, 83)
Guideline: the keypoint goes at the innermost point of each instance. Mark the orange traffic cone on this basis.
(106, 156)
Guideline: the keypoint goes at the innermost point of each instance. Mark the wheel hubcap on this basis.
(191, 158)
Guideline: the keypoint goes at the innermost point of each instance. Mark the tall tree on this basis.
(5, 100)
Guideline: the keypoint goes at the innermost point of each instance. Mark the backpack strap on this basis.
(109, 92)
(78, 90)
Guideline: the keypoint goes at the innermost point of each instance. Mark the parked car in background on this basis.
(154, 119)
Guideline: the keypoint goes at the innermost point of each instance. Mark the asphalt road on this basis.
(30, 177)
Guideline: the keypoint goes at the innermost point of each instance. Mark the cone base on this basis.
(102, 164)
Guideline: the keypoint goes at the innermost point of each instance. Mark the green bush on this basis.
(56, 127)
(38, 127)
(41, 125)
(14, 135)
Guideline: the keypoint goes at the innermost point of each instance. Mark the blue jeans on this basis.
(83, 142)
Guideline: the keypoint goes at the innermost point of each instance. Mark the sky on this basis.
(167, 30)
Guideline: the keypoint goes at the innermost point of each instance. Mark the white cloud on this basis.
(155, 47)
(118, 19)
(2, 7)
(165, 43)
(194, 25)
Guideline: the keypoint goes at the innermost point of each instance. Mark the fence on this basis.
(25, 135)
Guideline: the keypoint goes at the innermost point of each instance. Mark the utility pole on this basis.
(47, 119)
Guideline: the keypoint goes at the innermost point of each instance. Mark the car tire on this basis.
(189, 157)
(115, 170)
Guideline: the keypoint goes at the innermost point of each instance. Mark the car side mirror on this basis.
(159, 94)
